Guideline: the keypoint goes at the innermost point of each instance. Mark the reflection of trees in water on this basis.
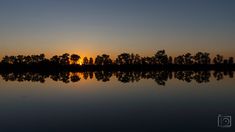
(160, 77)
(184, 75)
(61, 76)
(188, 76)
(202, 76)
(219, 75)
(126, 77)
(20, 77)
(74, 77)
(103, 75)
(85, 75)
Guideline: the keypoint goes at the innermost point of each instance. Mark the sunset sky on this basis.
(91, 27)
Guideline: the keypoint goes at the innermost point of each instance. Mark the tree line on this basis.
(159, 58)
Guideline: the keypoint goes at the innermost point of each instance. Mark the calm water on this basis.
(105, 101)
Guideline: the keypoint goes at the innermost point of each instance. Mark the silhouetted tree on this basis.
(27, 59)
(41, 58)
(147, 60)
(91, 61)
(99, 60)
(103, 60)
(137, 59)
(170, 60)
(20, 59)
(161, 57)
(179, 60)
(55, 59)
(64, 59)
(134, 59)
(85, 61)
(123, 58)
(74, 58)
(128, 59)
(230, 60)
(6, 60)
(202, 58)
(225, 61)
(188, 59)
(218, 59)
(34, 59)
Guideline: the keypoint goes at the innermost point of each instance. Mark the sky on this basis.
(92, 27)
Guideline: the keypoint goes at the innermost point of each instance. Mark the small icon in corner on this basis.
(224, 121)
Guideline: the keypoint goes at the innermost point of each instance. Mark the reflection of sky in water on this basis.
(94, 105)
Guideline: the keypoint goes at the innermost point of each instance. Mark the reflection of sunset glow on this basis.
(80, 62)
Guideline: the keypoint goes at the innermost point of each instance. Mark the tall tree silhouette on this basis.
(202, 58)
(91, 61)
(42, 58)
(123, 59)
(85, 61)
(161, 57)
(74, 58)
(230, 60)
(103, 60)
(225, 61)
(179, 60)
(188, 59)
(170, 60)
(137, 59)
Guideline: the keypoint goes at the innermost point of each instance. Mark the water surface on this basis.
(115, 101)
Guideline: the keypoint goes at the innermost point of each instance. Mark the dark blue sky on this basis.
(90, 27)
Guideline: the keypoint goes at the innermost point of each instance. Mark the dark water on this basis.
(119, 101)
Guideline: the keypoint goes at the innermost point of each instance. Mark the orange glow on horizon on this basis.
(80, 61)
(113, 55)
